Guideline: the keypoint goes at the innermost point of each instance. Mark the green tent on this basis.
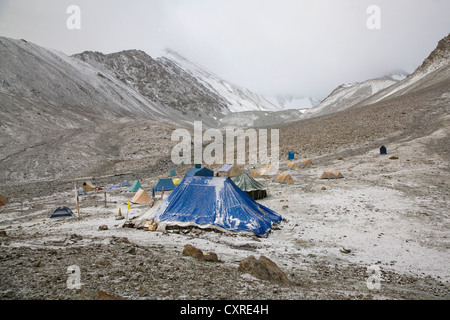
(250, 186)
(136, 186)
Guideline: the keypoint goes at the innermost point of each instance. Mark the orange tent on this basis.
(284, 178)
(292, 166)
(333, 174)
(268, 171)
(306, 163)
(142, 197)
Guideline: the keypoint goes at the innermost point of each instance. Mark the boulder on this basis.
(190, 250)
(210, 256)
(264, 269)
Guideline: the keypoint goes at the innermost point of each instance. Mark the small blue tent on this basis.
(81, 192)
(136, 186)
(172, 172)
(200, 172)
(166, 183)
(125, 183)
(215, 201)
(62, 212)
(291, 155)
(198, 166)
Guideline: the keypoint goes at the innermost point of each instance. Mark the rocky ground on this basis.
(388, 213)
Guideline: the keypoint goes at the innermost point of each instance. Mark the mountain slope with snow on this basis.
(238, 99)
(348, 95)
(434, 69)
(50, 77)
(161, 82)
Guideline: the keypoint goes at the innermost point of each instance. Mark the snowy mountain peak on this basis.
(238, 99)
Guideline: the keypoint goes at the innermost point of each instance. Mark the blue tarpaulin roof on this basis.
(218, 202)
(166, 183)
(197, 172)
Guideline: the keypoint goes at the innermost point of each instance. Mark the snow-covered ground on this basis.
(389, 213)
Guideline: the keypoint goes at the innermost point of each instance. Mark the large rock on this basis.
(190, 250)
(264, 269)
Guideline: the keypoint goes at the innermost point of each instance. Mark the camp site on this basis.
(280, 213)
(131, 176)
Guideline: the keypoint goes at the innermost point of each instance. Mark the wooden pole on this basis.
(77, 200)
(78, 207)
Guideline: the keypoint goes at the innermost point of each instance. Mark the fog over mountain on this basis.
(273, 48)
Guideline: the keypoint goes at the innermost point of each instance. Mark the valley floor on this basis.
(390, 215)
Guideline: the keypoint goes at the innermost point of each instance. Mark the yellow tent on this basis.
(142, 197)
(176, 181)
(306, 163)
(292, 165)
(333, 174)
(268, 171)
(88, 186)
(284, 178)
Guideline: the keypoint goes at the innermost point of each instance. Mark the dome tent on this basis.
(62, 212)
(333, 174)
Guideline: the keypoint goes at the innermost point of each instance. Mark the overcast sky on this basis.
(297, 47)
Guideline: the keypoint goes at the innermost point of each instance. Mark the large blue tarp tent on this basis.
(167, 184)
(215, 201)
(62, 212)
(199, 172)
(135, 187)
